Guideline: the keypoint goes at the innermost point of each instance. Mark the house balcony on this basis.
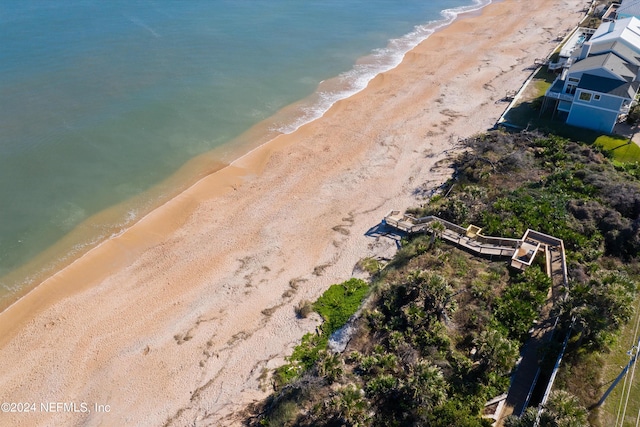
(560, 96)
(555, 91)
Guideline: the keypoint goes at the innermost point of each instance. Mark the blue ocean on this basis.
(103, 101)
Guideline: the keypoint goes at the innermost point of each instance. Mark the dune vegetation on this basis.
(440, 330)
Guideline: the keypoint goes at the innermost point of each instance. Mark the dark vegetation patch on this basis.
(441, 331)
(507, 183)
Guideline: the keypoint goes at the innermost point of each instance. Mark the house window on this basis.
(571, 89)
(585, 96)
(574, 80)
(596, 97)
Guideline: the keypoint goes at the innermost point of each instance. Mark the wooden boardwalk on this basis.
(466, 238)
(525, 378)
(522, 253)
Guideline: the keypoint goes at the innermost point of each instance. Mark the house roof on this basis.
(617, 47)
(629, 8)
(627, 29)
(610, 62)
(609, 86)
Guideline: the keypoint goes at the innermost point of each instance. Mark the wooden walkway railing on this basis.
(460, 236)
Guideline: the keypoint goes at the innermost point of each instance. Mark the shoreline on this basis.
(372, 156)
(79, 242)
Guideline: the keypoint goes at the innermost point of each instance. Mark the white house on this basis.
(626, 30)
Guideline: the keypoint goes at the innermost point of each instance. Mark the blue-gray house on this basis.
(602, 82)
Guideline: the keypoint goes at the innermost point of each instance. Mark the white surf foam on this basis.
(379, 61)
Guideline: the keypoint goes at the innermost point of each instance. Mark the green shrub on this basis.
(339, 303)
(370, 265)
(518, 307)
(283, 415)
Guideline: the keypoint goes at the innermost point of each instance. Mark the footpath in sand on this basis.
(174, 321)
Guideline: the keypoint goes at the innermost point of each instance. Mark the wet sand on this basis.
(177, 319)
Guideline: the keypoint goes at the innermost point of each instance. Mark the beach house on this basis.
(628, 9)
(602, 80)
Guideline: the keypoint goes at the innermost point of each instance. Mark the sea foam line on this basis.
(381, 60)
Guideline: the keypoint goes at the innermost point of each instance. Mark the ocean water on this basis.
(102, 100)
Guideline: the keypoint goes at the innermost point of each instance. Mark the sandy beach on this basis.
(175, 321)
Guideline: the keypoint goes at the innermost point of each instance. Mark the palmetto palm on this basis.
(496, 352)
